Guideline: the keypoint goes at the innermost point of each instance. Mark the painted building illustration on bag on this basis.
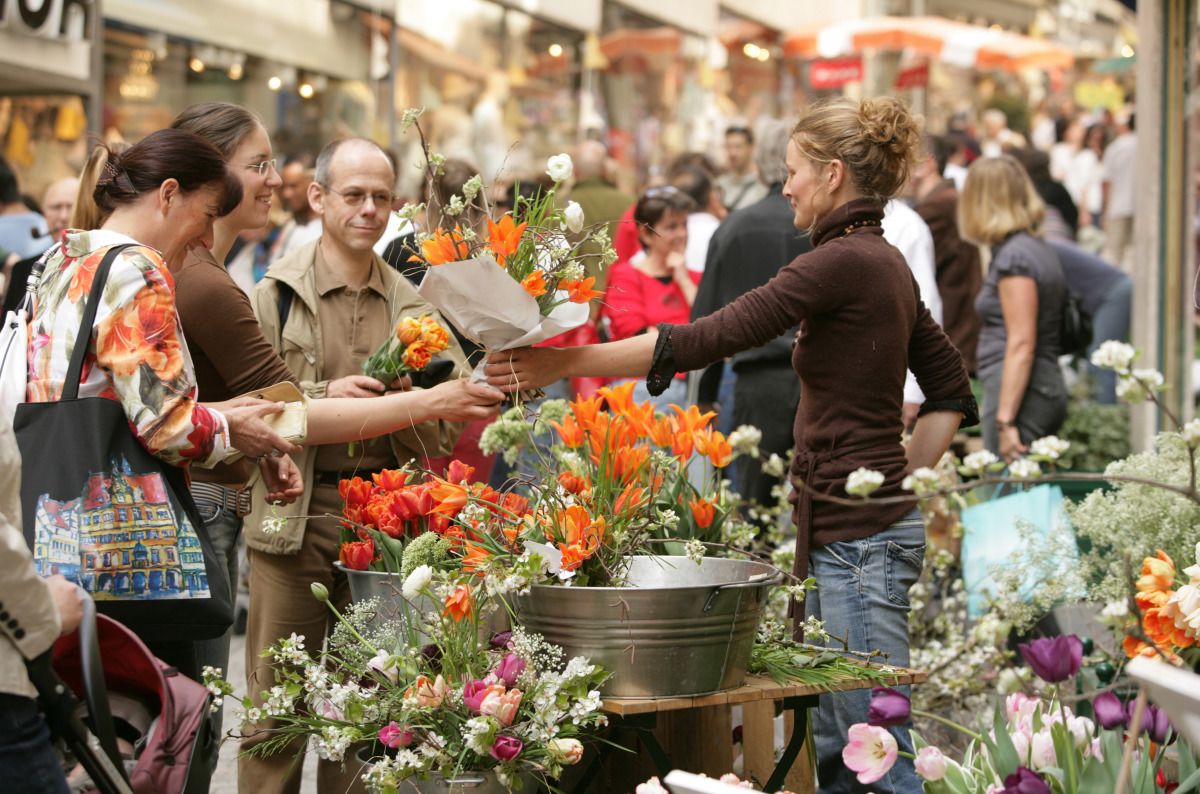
(119, 540)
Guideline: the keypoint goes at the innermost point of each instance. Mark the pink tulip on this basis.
(393, 736)
(870, 752)
(506, 748)
(475, 692)
(500, 704)
(930, 763)
(427, 694)
(565, 751)
(509, 669)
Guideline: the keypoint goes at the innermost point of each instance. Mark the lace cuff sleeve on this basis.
(964, 405)
(662, 366)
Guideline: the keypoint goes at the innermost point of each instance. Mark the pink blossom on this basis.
(1042, 753)
(427, 694)
(1021, 741)
(393, 736)
(870, 752)
(475, 692)
(651, 786)
(930, 763)
(506, 748)
(565, 751)
(500, 704)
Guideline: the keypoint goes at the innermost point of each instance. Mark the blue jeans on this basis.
(28, 763)
(1111, 321)
(862, 595)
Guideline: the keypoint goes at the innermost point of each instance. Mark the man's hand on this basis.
(66, 597)
(283, 479)
(355, 386)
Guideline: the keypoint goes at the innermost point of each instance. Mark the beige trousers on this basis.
(281, 602)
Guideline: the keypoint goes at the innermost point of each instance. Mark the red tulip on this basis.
(357, 555)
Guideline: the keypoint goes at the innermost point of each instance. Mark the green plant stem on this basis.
(1072, 781)
(350, 627)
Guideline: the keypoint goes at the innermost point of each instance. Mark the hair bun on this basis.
(886, 121)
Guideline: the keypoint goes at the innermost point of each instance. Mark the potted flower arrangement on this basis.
(494, 715)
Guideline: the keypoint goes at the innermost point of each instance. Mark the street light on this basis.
(274, 83)
(306, 90)
(556, 50)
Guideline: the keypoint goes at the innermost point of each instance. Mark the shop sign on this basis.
(65, 20)
(835, 73)
(913, 77)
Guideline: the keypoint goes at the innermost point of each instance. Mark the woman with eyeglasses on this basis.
(861, 325)
(654, 286)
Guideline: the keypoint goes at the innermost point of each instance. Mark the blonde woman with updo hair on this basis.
(861, 325)
(1020, 304)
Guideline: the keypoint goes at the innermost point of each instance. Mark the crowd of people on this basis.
(834, 285)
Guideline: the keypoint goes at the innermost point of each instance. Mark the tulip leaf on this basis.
(1001, 749)
(955, 779)
(1064, 751)
(1191, 782)
(1097, 777)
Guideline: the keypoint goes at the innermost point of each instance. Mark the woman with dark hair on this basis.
(861, 326)
(655, 285)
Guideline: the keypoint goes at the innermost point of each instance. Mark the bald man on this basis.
(57, 204)
(601, 201)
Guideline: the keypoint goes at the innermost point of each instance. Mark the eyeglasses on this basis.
(355, 198)
(265, 166)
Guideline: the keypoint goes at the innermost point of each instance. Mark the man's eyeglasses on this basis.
(355, 198)
(662, 191)
(265, 166)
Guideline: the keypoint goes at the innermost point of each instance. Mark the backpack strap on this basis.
(83, 339)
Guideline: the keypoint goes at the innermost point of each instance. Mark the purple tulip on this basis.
(509, 669)
(1154, 722)
(506, 748)
(431, 654)
(1109, 711)
(473, 692)
(1025, 781)
(889, 707)
(1053, 659)
(500, 639)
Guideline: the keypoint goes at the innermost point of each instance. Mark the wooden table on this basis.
(697, 731)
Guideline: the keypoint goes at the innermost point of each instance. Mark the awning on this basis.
(951, 42)
(641, 42)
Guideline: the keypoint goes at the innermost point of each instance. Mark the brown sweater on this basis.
(861, 325)
(229, 352)
(959, 276)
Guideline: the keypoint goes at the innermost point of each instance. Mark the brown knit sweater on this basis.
(229, 352)
(861, 325)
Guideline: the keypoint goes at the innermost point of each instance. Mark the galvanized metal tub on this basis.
(676, 629)
(468, 782)
(387, 587)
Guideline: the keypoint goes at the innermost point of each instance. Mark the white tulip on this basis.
(560, 168)
(573, 215)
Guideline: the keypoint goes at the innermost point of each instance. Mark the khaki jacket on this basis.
(28, 619)
(300, 344)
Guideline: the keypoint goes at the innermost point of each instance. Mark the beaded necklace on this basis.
(859, 225)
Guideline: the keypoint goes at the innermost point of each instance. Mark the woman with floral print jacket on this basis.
(161, 195)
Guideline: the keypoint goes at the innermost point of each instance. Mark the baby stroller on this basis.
(130, 696)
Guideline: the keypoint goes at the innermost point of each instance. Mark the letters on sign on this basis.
(51, 19)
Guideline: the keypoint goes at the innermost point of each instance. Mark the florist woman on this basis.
(861, 325)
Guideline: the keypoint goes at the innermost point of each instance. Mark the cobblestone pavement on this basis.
(225, 779)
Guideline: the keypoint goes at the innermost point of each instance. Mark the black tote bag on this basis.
(103, 512)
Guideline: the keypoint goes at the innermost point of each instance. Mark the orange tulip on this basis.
(630, 499)
(586, 409)
(459, 604)
(628, 461)
(572, 483)
(661, 432)
(580, 291)
(535, 284)
(436, 339)
(459, 472)
(579, 528)
(1158, 573)
(445, 247)
(572, 556)
(719, 451)
(641, 419)
(691, 420)
(448, 497)
(569, 431)
(619, 398)
(682, 445)
(504, 237)
(355, 492)
(408, 330)
(703, 511)
(416, 356)
(475, 558)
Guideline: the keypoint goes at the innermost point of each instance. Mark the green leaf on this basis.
(1097, 777)
(1001, 749)
(1065, 752)
(1191, 782)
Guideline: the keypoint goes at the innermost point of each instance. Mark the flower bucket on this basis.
(393, 606)
(481, 782)
(676, 629)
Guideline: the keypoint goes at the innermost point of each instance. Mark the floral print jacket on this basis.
(138, 356)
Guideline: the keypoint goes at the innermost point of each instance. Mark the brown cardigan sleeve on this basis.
(940, 370)
(218, 319)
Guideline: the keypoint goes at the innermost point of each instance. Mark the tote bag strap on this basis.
(83, 339)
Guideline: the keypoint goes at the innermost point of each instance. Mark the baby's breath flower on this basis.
(274, 522)
(1191, 432)
(1049, 448)
(695, 550)
(1024, 469)
(862, 482)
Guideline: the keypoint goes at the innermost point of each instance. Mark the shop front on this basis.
(48, 97)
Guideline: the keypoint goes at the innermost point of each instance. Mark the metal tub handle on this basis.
(764, 579)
